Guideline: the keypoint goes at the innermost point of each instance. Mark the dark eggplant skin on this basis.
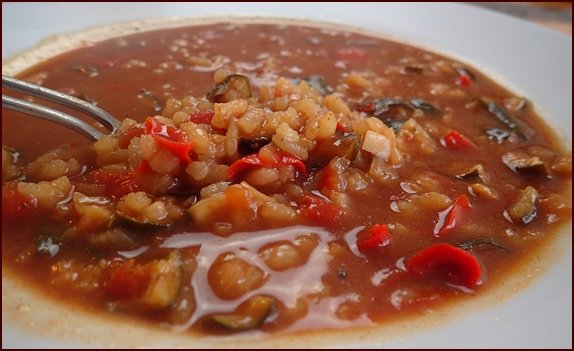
(475, 172)
(519, 161)
(425, 106)
(497, 134)
(504, 116)
(249, 146)
(412, 70)
(234, 87)
(318, 83)
(379, 106)
(339, 145)
(251, 316)
(140, 225)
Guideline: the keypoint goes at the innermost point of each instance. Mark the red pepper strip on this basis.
(254, 160)
(142, 168)
(456, 141)
(453, 214)
(463, 80)
(203, 117)
(288, 160)
(116, 183)
(458, 267)
(169, 137)
(125, 137)
(378, 237)
(243, 164)
(15, 204)
(319, 210)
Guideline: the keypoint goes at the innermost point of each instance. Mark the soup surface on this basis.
(277, 178)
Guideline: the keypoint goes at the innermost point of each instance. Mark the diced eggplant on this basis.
(483, 243)
(139, 210)
(234, 87)
(521, 162)
(524, 209)
(425, 106)
(500, 135)
(378, 107)
(48, 245)
(141, 224)
(503, 115)
(250, 315)
(150, 286)
(164, 282)
(385, 104)
(412, 139)
(482, 191)
(339, 145)
(319, 84)
(476, 171)
(394, 124)
(249, 146)
(111, 240)
(412, 69)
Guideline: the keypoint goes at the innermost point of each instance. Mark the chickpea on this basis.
(231, 277)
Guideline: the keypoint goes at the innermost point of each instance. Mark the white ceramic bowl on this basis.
(532, 61)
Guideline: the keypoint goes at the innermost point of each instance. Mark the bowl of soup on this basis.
(275, 182)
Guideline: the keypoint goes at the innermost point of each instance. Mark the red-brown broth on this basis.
(300, 51)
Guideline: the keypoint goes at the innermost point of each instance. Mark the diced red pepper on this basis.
(453, 264)
(203, 117)
(352, 54)
(452, 215)
(254, 160)
(127, 280)
(288, 160)
(125, 137)
(169, 137)
(375, 238)
(15, 204)
(244, 164)
(341, 127)
(456, 141)
(463, 80)
(142, 168)
(367, 108)
(319, 210)
(116, 183)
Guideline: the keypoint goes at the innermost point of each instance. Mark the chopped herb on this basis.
(480, 243)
